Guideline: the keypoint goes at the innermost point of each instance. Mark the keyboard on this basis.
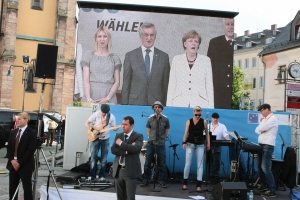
(222, 143)
(250, 147)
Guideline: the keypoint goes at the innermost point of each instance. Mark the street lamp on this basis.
(26, 75)
(293, 70)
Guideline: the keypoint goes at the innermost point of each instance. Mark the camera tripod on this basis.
(40, 142)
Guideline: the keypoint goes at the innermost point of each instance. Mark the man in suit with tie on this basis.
(146, 71)
(220, 52)
(20, 150)
(127, 165)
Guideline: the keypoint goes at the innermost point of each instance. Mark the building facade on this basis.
(24, 25)
(246, 50)
(277, 57)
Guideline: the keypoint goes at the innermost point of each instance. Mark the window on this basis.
(297, 29)
(246, 63)
(254, 83)
(269, 40)
(240, 63)
(261, 82)
(253, 62)
(37, 4)
(260, 102)
(248, 44)
(252, 104)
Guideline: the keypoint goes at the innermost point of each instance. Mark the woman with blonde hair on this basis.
(101, 70)
(193, 142)
(191, 81)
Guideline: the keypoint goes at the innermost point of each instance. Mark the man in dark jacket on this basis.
(20, 150)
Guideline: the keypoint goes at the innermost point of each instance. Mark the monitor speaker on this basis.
(229, 190)
(46, 61)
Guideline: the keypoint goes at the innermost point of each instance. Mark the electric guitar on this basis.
(92, 137)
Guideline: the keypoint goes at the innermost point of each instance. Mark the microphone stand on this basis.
(155, 169)
(174, 155)
(282, 145)
(207, 139)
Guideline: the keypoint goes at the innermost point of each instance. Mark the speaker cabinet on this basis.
(230, 190)
(46, 60)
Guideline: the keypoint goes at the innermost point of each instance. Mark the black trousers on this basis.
(14, 179)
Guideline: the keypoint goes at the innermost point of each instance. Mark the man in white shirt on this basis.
(267, 131)
(220, 131)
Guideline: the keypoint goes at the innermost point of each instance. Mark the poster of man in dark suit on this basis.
(146, 71)
(220, 52)
(20, 150)
(127, 166)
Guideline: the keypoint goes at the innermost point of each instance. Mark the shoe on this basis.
(199, 189)
(269, 194)
(50, 145)
(144, 184)
(262, 188)
(198, 186)
(102, 179)
(5, 156)
(46, 145)
(60, 149)
(184, 187)
(162, 185)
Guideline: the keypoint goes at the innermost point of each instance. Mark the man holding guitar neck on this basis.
(100, 139)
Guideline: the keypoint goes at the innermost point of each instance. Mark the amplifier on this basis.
(230, 190)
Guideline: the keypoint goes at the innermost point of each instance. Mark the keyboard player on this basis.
(220, 131)
(267, 131)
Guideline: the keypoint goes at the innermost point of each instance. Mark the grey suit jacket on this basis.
(138, 88)
(132, 158)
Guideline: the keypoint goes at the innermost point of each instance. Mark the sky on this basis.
(254, 15)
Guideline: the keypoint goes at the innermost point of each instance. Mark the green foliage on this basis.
(77, 103)
(238, 92)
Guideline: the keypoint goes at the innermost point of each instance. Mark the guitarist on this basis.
(104, 119)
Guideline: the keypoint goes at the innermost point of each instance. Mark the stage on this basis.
(172, 192)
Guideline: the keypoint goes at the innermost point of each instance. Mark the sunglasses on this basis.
(197, 115)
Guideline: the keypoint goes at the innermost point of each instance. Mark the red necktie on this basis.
(17, 142)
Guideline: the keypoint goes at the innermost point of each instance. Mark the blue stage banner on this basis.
(243, 122)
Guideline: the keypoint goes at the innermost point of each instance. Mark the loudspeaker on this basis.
(228, 190)
(46, 60)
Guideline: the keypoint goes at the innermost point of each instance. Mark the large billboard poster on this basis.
(137, 58)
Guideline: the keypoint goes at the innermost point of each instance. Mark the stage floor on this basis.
(173, 191)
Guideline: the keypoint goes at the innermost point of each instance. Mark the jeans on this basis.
(61, 139)
(190, 149)
(264, 166)
(216, 159)
(161, 162)
(95, 147)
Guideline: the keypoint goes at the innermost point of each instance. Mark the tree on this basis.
(238, 92)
